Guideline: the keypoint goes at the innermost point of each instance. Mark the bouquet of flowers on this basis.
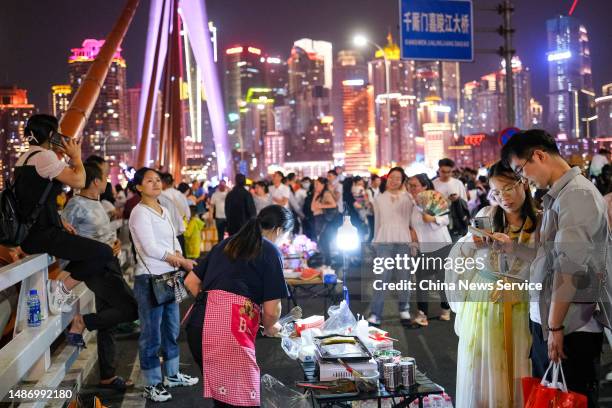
(432, 202)
(299, 246)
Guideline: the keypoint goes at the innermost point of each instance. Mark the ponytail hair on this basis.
(248, 242)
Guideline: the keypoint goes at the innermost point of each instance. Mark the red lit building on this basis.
(106, 132)
(14, 113)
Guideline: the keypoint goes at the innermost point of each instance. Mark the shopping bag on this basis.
(553, 394)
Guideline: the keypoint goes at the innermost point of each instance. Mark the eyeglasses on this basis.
(519, 170)
(506, 191)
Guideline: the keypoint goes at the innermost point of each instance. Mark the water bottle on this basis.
(33, 309)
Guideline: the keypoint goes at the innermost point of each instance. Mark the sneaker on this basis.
(405, 315)
(421, 319)
(374, 320)
(180, 380)
(58, 298)
(156, 393)
(446, 315)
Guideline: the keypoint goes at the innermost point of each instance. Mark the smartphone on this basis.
(484, 223)
(56, 139)
(480, 232)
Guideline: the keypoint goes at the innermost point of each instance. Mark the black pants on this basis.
(582, 368)
(433, 270)
(194, 340)
(93, 263)
(221, 224)
(370, 228)
(181, 240)
(106, 347)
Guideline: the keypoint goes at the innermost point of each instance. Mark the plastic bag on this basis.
(290, 345)
(341, 320)
(275, 394)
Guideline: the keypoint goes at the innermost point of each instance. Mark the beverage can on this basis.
(407, 373)
(381, 361)
(391, 373)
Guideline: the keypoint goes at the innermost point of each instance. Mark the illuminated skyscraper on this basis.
(323, 49)
(570, 85)
(358, 125)
(604, 112)
(243, 70)
(310, 136)
(276, 77)
(106, 132)
(536, 111)
(274, 147)
(14, 113)
(437, 128)
(402, 148)
(350, 66)
(59, 99)
(484, 101)
(440, 79)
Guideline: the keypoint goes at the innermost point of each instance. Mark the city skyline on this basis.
(278, 35)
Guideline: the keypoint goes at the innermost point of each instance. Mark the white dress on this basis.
(392, 213)
(482, 370)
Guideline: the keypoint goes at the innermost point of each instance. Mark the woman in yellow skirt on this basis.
(493, 324)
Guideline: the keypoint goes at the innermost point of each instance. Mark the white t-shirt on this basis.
(280, 192)
(47, 164)
(154, 237)
(452, 186)
(218, 200)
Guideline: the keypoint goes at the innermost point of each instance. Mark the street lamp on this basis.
(361, 41)
(347, 240)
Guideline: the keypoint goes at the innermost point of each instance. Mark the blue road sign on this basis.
(506, 134)
(437, 30)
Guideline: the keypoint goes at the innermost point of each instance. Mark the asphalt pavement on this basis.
(433, 347)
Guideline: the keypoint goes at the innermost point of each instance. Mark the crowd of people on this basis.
(531, 196)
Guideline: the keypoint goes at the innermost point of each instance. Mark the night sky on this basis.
(36, 35)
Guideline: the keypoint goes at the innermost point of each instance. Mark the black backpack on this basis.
(13, 228)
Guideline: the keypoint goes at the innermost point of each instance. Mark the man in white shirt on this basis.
(335, 185)
(446, 184)
(218, 203)
(175, 204)
(87, 215)
(598, 162)
(278, 191)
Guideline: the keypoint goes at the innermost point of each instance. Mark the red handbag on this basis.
(544, 394)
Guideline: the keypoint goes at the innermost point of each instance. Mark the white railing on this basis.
(25, 362)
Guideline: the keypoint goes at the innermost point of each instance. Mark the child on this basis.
(193, 235)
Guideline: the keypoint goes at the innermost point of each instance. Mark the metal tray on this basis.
(362, 354)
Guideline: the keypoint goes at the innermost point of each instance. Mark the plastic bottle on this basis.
(362, 330)
(448, 402)
(33, 309)
(426, 402)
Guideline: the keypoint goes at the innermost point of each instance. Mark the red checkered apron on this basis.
(231, 374)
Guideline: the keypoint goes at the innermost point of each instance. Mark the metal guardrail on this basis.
(25, 362)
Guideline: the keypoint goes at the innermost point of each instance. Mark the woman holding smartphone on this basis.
(493, 325)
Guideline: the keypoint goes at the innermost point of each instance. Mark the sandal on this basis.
(76, 340)
(118, 384)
